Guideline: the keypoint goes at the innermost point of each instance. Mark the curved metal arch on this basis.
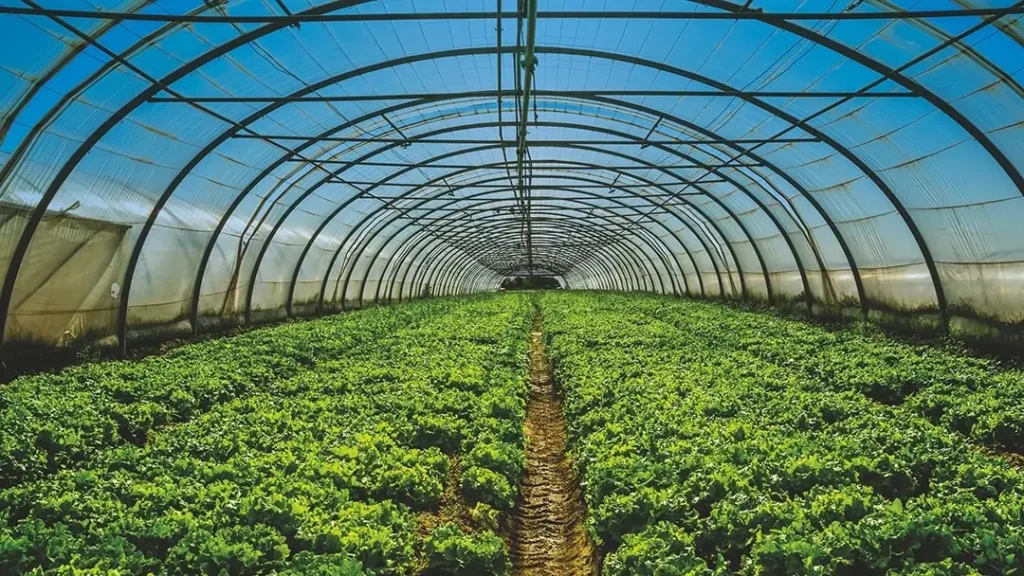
(616, 282)
(308, 191)
(711, 223)
(895, 75)
(410, 250)
(880, 184)
(480, 204)
(457, 284)
(622, 269)
(393, 108)
(545, 230)
(474, 281)
(405, 261)
(588, 195)
(550, 233)
(788, 240)
(383, 224)
(467, 279)
(613, 271)
(481, 281)
(75, 92)
(754, 245)
(125, 298)
(412, 258)
(562, 274)
(610, 185)
(665, 262)
(36, 217)
(462, 185)
(832, 143)
(926, 25)
(465, 282)
(348, 201)
(795, 216)
(778, 196)
(725, 208)
(73, 51)
(260, 31)
(597, 273)
(446, 261)
(483, 285)
(598, 270)
(332, 80)
(611, 259)
(630, 254)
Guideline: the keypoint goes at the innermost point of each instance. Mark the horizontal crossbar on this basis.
(481, 141)
(538, 164)
(554, 14)
(533, 186)
(545, 93)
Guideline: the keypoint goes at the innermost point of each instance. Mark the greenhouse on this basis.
(520, 287)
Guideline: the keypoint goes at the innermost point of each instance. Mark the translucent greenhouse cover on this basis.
(167, 166)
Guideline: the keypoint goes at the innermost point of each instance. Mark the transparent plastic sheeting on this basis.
(870, 164)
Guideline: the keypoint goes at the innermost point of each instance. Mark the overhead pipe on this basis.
(529, 64)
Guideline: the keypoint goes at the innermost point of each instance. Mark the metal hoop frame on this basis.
(788, 26)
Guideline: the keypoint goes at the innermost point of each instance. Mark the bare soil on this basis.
(549, 537)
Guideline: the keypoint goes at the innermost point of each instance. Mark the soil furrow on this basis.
(550, 535)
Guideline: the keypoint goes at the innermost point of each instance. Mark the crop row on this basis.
(699, 457)
(339, 469)
(54, 421)
(970, 396)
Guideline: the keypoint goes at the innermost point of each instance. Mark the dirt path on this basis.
(550, 537)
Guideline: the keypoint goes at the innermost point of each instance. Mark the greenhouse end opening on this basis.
(531, 283)
(512, 287)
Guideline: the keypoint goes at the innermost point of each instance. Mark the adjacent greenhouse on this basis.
(746, 189)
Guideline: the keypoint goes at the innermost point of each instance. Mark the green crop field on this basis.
(512, 287)
(707, 439)
(715, 441)
(318, 447)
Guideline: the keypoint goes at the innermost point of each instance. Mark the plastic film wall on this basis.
(168, 167)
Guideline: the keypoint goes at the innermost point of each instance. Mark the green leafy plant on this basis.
(717, 440)
(294, 449)
(453, 552)
(483, 485)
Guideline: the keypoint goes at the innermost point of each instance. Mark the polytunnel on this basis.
(171, 167)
